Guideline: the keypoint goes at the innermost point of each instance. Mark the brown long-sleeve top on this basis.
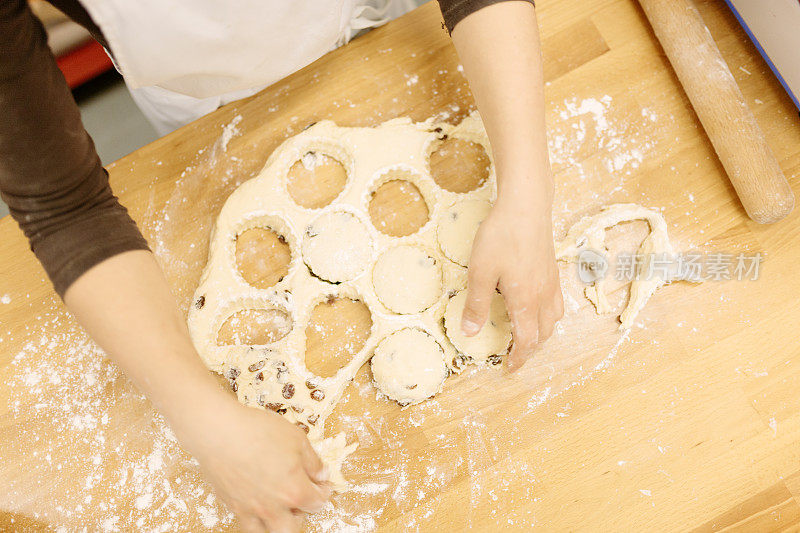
(50, 174)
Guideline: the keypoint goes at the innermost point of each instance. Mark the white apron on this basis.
(182, 59)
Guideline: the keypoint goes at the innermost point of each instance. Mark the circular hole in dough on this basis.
(397, 208)
(337, 330)
(337, 246)
(254, 327)
(459, 166)
(457, 227)
(408, 366)
(407, 279)
(262, 257)
(315, 180)
(494, 337)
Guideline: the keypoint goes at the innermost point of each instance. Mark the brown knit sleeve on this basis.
(455, 10)
(50, 175)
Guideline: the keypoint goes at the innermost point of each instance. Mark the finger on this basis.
(556, 301)
(480, 289)
(313, 465)
(549, 317)
(308, 496)
(524, 315)
(546, 326)
(251, 523)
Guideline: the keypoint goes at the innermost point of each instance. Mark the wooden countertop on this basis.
(691, 421)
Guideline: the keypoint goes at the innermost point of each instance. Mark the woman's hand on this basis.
(261, 465)
(513, 251)
(500, 49)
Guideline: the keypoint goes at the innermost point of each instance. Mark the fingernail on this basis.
(469, 327)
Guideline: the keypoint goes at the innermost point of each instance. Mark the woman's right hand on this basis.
(261, 465)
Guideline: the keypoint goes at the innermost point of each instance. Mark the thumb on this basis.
(480, 289)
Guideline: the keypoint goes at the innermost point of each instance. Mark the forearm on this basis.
(500, 50)
(126, 305)
(50, 174)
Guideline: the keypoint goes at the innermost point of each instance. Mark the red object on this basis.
(82, 64)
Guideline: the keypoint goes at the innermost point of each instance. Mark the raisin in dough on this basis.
(408, 366)
(457, 228)
(407, 279)
(493, 338)
(337, 246)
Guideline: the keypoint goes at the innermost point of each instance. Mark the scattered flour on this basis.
(101, 431)
(158, 487)
(229, 131)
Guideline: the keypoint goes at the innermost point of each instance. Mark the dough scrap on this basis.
(457, 228)
(408, 366)
(494, 337)
(407, 279)
(337, 246)
(333, 451)
(589, 233)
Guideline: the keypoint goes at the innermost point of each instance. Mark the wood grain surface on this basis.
(721, 108)
(691, 421)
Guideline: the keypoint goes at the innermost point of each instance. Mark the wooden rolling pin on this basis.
(721, 107)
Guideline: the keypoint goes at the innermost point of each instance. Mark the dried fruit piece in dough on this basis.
(493, 338)
(408, 366)
(457, 227)
(337, 246)
(407, 279)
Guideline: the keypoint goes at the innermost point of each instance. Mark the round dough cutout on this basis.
(458, 165)
(493, 338)
(397, 207)
(337, 246)
(337, 329)
(263, 256)
(315, 180)
(457, 227)
(407, 279)
(254, 327)
(408, 366)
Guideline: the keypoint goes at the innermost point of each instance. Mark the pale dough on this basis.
(407, 279)
(494, 337)
(590, 233)
(337, 246)
(340, 245)
(408, 366)
(333, 451)
(458, 226)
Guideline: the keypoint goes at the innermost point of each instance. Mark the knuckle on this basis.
(479, 275)
(294, 495)
(263, 511)
(291, 497)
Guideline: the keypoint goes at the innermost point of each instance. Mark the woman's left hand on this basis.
(513, 251)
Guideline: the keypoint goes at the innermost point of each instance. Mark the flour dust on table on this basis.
(414, 285)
